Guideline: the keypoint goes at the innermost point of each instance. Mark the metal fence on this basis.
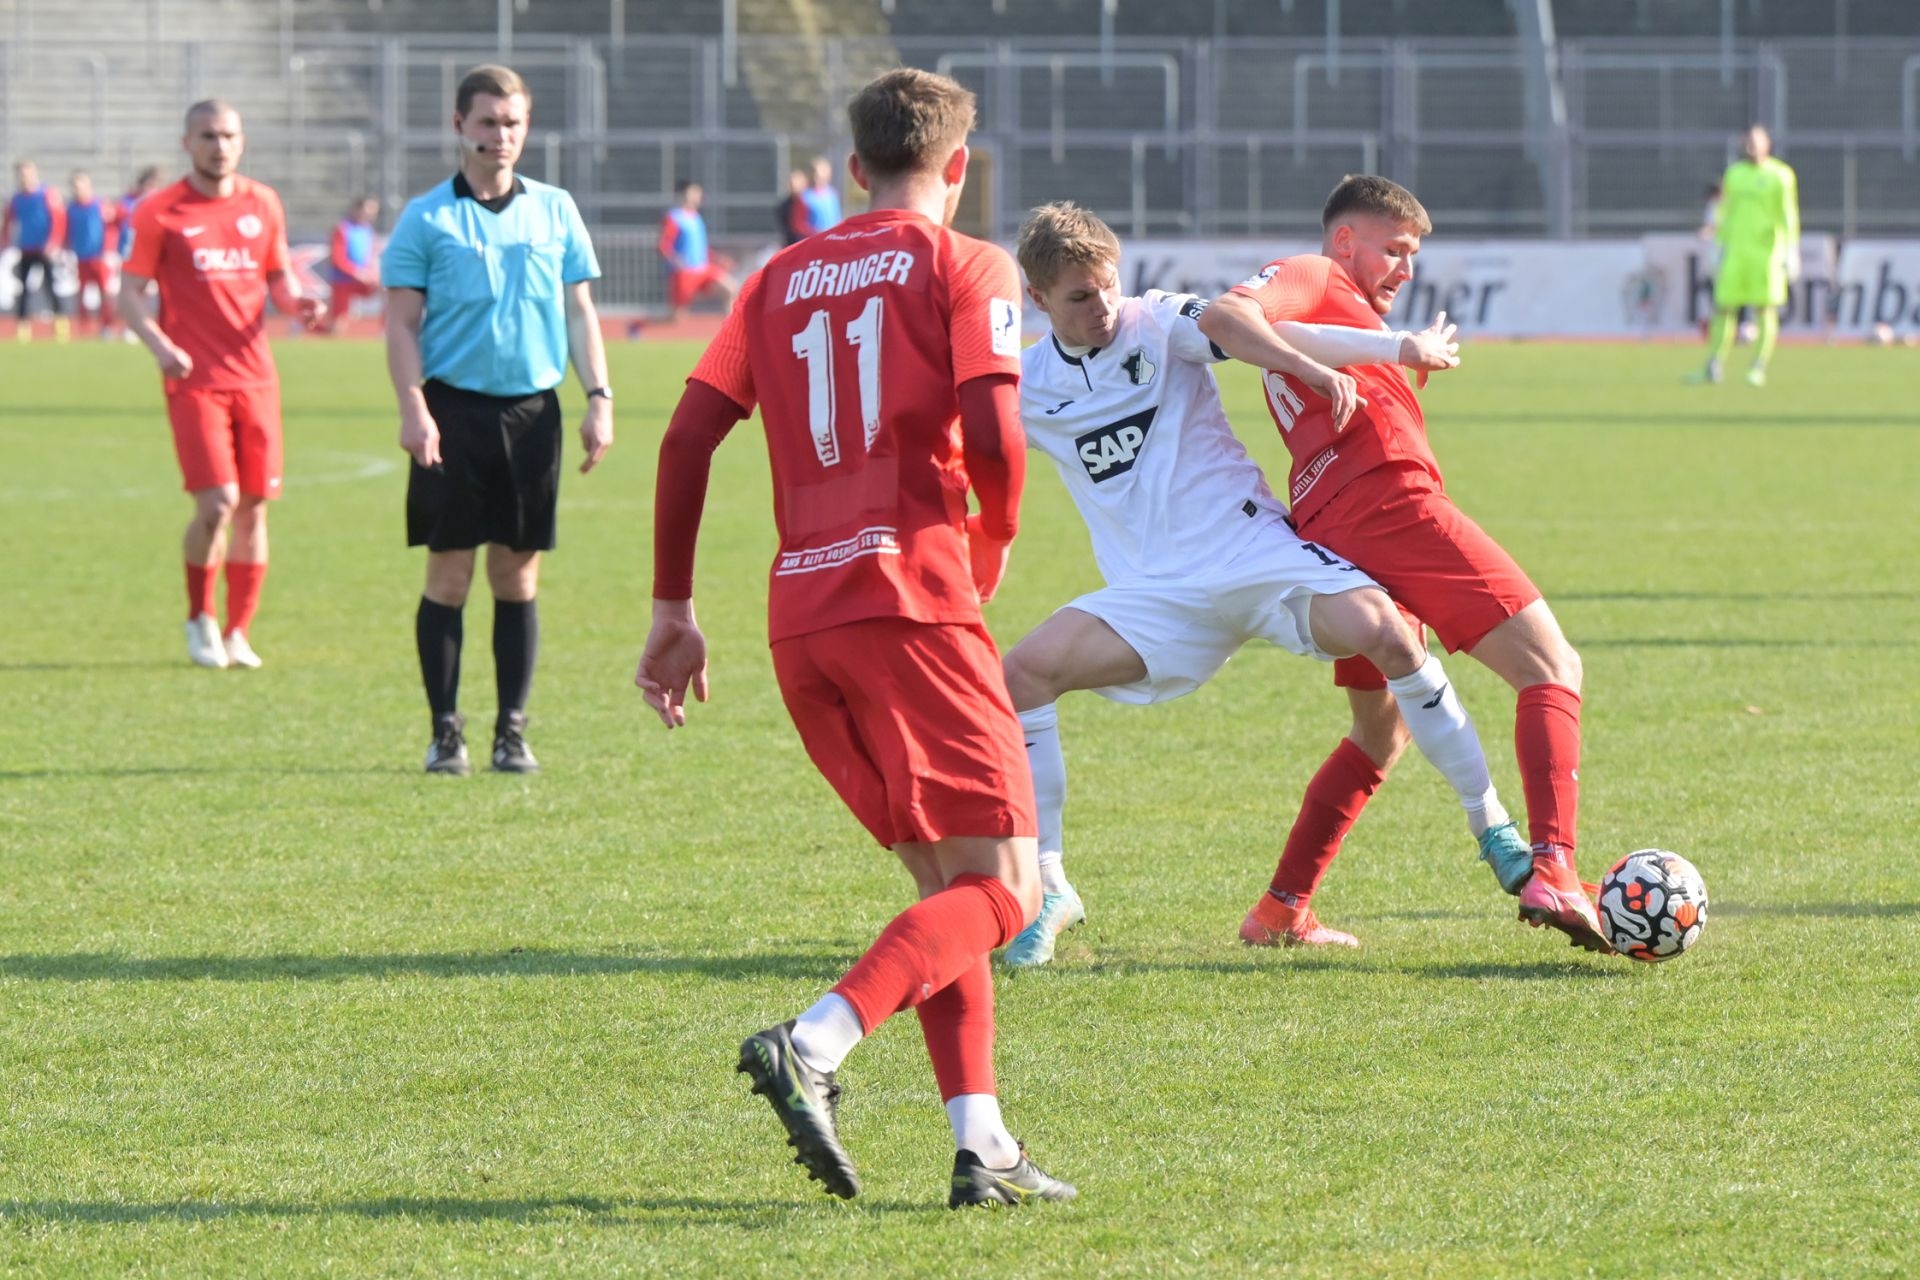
(1163, 137)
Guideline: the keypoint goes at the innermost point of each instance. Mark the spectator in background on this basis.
(792, 216)
(352, 271)
(691, 270)
(36, 224)
(823, 201)
(90, 224)
(145, 183)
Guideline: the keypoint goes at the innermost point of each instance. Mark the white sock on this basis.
(1444, 732)
(977, 1127)
(1041, 727)
(824, 1035)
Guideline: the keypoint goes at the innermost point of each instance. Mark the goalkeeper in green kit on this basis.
(1759, 235)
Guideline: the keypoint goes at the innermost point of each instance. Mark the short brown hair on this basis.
(1061, 235)
(1382, 197)
(209, 107)
(495, 81)
(909, 120)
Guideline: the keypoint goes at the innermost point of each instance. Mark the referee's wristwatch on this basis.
(605, 393)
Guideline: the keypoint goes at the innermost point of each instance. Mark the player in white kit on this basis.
(1197, 553)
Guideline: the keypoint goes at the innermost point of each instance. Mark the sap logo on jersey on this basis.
(207, 261)
(1111, 450)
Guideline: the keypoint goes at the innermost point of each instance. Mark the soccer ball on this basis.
(1653, 905)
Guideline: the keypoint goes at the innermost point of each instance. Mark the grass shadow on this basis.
(93, 966)
(1531, 971)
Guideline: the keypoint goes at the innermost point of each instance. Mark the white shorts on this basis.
(1185, 629)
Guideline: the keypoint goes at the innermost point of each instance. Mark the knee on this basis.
(215, 511)
(1568, 669)
(1030, 680)
(1392, 646)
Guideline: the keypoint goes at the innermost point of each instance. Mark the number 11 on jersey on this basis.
(814, 344)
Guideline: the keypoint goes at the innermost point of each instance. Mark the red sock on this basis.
(243, 592)
(199, 589)
(1546, 740)
(957, 1021)
(928, 945)
(1334, 799)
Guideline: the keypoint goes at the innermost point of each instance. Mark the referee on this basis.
(487, 296)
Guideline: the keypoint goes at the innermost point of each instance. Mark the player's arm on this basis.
(719, 393)
(419, 433)
(1241, 325)
(994, 446)
(669, 243)
(1790, 218)
(57, 220)
(138, 318)
(1431, 350)
(587, 348)
(282, 285)
(983, 330)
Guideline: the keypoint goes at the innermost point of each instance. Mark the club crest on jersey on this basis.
(248, 225)
(1111, 450)
(1140, 370)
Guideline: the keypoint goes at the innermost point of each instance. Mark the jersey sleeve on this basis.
(143, 255)
(403, 263)
(1178, 315)
(669, 236)
(580, 264)
(279, 260)
(983, 316)
(1790, 206)
(725, 366)
(1290, 289)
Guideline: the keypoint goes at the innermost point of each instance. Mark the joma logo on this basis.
(1110, 451)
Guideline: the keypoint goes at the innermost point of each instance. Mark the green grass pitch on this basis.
(274, 1003)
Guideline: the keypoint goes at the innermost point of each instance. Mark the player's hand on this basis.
(986, 557)
(175, 363)
(674, 661)
(313, 313)
(420, 436)
(1793, 263)
(596, 432)
(1340, 388)
(1433, 349)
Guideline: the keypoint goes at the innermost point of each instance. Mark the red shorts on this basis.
(99, 274)
(911, 723)
(1437, 564)
(689, 284)
(341, 295)
(228, 436)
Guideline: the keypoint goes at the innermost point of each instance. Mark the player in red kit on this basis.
(1371, 493)
(884, 356)
(216, 244)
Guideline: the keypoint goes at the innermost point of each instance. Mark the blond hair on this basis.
(1368, 193)
(908, 121)
(1061, 235)
(493, 80)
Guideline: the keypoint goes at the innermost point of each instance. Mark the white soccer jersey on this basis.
(1138, 433)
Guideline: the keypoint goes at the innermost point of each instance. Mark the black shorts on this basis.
(499, 474)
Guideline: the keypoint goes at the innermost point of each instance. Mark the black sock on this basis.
(438, 631)
(516, 639)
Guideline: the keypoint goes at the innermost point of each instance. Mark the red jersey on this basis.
(211, 258)
(854, 343)
(1389, 430)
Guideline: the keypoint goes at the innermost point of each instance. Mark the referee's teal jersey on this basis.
(496, 315)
